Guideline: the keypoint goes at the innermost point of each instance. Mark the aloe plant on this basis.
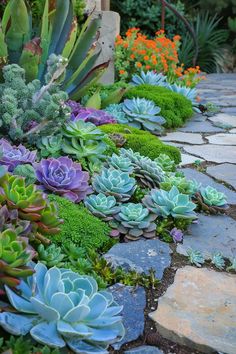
(59, 35)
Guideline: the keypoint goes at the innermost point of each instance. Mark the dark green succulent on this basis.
(26, 171)
(51, 256)
(50, 146)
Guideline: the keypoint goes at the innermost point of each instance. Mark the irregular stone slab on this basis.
(213, 153)
(144, 349)
(141, 256)
(205, 180)
(133, 300)
(200, 127)
(188, 159)
(232, 131)
(224, 118)
(199, 310)
(189, 138)
(225, 172)
(214, 233)
(222, 139)
(229, 110)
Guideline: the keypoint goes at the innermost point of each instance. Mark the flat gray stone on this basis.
(208, 181)
(144, 349)
(222, 139)
(199, 310)
(200, 127)
(181, 137)
(133, 300)
(214, 233)
(224, 118)
(188, 159)
(213, 153)
(141, 256)
(229, 110)
(225, 172)
(232, 131)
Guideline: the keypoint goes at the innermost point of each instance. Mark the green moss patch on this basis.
(142, 141)
(175, 108)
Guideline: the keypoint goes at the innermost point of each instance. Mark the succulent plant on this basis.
(120, 163)
(188, 92)
(12, 156)
(232, 266)
(102, 206)
(26, 171)
(150, 78)
(184, 186)
(114, 182)
(176, 234)
(14, 256)
(82, 130)
(134, 221)
(50, 146)
(218, 260)
(9, 220)
(172, 203)
(50, 256)
(212, 197)
(116, 111)
(64, 177)
(165, 162)
(130, 154)
(92, 115)
(142, 113)
(195, 257)
(118, 139)
(59, 307)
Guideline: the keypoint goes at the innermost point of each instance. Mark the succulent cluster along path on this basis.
(198, 307)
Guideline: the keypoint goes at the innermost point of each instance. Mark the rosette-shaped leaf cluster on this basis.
(64, 177)
(50, 256)
(15, 253)
(114, 182)
(165, 162)
(211, 200)
(170, 203)
(188, 92)
(118, 139)
(50, 146)
(184, 186)
(149, 78)
(102, 206)
(142, 113)
(9, 220)
(120, 163)
(12, 156)
(135, 221)
(59, 307)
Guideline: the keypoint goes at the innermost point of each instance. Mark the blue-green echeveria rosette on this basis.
(64, 177)
(212, 197)
(121, 163)
(59, 307)
(102, 206)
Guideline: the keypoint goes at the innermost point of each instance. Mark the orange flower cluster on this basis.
(135, 52)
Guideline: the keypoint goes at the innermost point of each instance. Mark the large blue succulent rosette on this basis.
(59, 307)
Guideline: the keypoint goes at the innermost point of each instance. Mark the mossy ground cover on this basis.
(175, 108)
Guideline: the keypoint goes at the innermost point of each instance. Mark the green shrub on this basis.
(175, 108)
(142, 141)
(80, 227)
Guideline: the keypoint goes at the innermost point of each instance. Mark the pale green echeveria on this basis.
(172, 203)
(165, 162)
(82, 130)
(59, 307)
(121, 163)
(102, 206)
(134, 221)
(212, 197)
(114, 182)
(184, 186)
(149, 78)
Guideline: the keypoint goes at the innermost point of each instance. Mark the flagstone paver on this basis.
(222, 139)
(199, 310)
(189, 159)
(213, 153)
(203, 126)
(144, 349)
(225, 172)
(181, 137)
(224, 118)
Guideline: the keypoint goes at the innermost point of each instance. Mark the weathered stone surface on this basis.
(200, 127)
(189, 138)
(133, 301)
(213, 153)
(232, 131)
(206, 180)
(225, 172)
(224, 118)
(199, 310)
(141, 256)
(222, 139)
(188, 159)
(91, 4)
(144, 349)
(229, 110)
(214, 233)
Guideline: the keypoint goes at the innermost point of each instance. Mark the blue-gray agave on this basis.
(59, 307)
(114, 182)
(121, 163)
(172, 203)
(142, 113)
(188, 92)
(150, 78)
(102, 206)
(134, 221)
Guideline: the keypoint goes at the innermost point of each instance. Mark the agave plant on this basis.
(102, 206)
(50, 256)
(15, 253)
(170, 203)
(142, 113)
(150, 78)
(165, 162)
(59, 307)
(115, 183)
(120, 163)
(59, 35)
(135, 221)
(211, 200)
(188, 92)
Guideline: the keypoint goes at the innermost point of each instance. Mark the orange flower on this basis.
(138, 64)
(146, 57)
(176, 38)
(148, 67)
(122, 72)
(132, 56)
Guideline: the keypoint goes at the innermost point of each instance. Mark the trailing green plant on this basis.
(51, 255)
(175, 108)
(195, 257)
(58, 33)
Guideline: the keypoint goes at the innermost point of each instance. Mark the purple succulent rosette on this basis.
(12, 156)
(64, 177)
